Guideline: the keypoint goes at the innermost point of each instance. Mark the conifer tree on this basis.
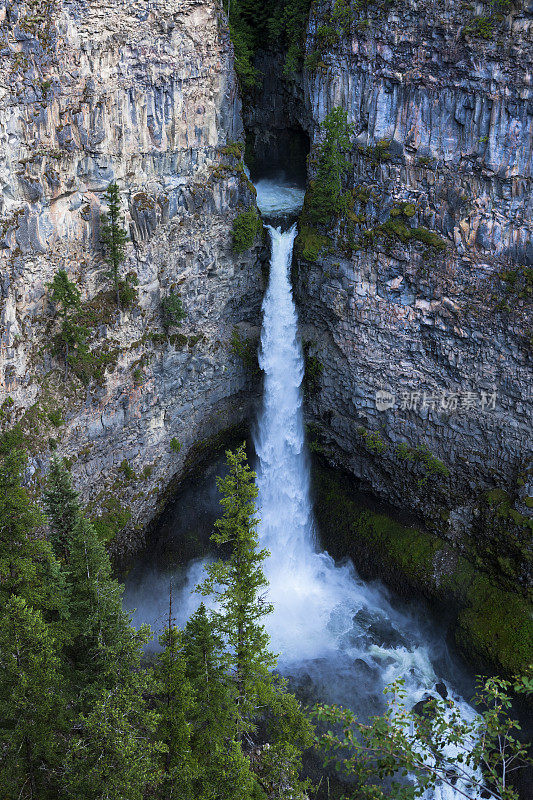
(31, 704)
(65, 295)
(113, 237)
(62, 507)
(222, 769)
(28, 568)
(111, 754)
(174, 703)
(238, 584)
(327, 196)
(103, 643)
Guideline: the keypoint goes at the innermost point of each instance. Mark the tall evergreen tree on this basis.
(28, 568)
(114, 237)
(111, 754)
(238, 584)
(62, 507)
(328, 199)
(31, 704)
(175, 701)
(223, 772)
(102, 642)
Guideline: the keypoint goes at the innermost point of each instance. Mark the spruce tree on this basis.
(239, 584)
(328, 199)
(175, 700)
(65, 295)
(223, 772)
(31, 704)
(28, 568)
(113, 237)
(62, 507)
(102, 641)
(111, 753)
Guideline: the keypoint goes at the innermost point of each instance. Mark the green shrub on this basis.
(137, 376)
(481, 27)
(127, 292)
(310, 243)
(56, 418)
(373, 441)
(246, 228)
(246, 350)
(112, 520)
(172, 310)
(127, 470)
(313, 370)
(175, 446)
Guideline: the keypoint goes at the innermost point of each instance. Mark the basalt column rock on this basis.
(142, 94)
(423, 291)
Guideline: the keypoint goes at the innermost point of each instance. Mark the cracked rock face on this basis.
(442, 122)
(144, 95)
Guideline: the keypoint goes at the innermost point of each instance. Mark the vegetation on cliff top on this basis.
(255, 25)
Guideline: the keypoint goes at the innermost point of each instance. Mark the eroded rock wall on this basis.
(442, 142)
(144, 94)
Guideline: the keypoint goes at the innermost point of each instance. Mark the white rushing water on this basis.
(327, 623)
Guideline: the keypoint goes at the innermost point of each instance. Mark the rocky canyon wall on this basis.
(424, 290)
(142, 94)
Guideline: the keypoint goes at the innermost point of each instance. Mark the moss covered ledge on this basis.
(492, 626)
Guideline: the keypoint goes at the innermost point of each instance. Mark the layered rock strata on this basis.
(424, 290)
(144, 95)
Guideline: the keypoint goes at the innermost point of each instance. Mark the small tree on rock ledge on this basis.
(113, 237)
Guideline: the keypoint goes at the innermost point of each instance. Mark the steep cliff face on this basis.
(143, 94)
(424, 290)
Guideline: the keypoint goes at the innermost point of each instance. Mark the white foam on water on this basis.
(275, 199)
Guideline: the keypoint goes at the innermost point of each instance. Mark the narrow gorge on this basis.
(326, 213)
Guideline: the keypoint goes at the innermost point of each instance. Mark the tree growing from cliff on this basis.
(66, 297)
(327, 197)
(114, 238)
(432, 744)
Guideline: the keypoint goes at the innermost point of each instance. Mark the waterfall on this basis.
(327, 624)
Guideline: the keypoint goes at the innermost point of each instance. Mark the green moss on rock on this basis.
(492, 625)
(246, 228)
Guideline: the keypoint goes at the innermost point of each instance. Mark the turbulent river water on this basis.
(339, 638)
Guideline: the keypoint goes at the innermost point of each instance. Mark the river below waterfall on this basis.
(339, 639)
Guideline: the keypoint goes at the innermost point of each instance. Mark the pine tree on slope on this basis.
(31, 704)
